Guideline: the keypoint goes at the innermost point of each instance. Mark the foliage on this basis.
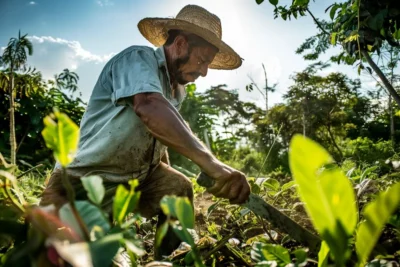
(330, 201)
(34, 102)
(14, 57)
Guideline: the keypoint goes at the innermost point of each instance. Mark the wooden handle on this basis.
(204, 180)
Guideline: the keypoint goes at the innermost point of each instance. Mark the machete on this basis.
(279, 220)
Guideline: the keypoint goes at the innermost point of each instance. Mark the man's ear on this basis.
(181, 45)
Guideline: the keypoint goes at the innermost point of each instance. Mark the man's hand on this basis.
(230, 184)
(166, 124)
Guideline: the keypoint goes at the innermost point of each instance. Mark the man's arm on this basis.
(166, 124)
(165, 158)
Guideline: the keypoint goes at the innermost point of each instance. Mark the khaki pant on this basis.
(163, 180)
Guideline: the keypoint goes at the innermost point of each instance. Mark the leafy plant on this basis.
(330, 201)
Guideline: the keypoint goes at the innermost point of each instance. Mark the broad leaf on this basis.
(301, 255)
(125, 201)
(301, 2)
(167, 204)
(50, 225)
(61, 135)
(327, 193)
(160, 233)
(94, 188)
(91, 215)
(183, 233)
(272, 184)
(376, 214)
(77, 254)
(367, 172)
(273, 2)
(333, 38)
(269, 252)
(288, 185)
(104, 250)
(396, 34)
(134, 247)
(333, 11)
(323, 255)
(179, 208)
(184, 212)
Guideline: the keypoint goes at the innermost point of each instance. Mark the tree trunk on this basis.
(266, 90)
(382, 76)
(13, 142)
(334, 142)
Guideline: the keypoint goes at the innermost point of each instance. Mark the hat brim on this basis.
(155, 30)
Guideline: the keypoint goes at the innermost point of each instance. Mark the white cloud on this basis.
(74, 46)
(51, 55)
(105, 3)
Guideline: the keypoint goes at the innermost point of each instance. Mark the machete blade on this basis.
(278, 219)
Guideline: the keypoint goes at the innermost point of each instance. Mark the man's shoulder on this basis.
(145, 50)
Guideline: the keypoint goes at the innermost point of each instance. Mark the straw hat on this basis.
(197, 20)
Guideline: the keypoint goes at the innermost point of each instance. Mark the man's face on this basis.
(193, 63)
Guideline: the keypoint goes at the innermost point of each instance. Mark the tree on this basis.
(361, 27)
(264, 91)
(14, 58)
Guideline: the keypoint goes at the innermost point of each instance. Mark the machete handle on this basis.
(204, 180)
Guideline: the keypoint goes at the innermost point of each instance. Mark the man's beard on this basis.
(177, 73)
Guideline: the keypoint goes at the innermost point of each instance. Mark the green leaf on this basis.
(167, 204)
(179, 208)
(333, 11)
(160, 234)
(134, 247)
(272, 2)
(327, 193)
(76, 254)
(367, 172)
(376, 22)
(259, 1)
(301, 255)
(301, 2)
(94, 188)
(376, 214)
(213, 207)
(91, 215)
(333, 38)
(272, 184)
(270, 252)
(62, 137)
(323, 255)
(125, 201)
(288, 185)
(396, 34)
(182, 233)
(104, 250)
(184, 212)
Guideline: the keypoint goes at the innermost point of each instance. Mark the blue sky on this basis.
(83, 34)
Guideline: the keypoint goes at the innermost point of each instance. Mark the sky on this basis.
(82, 35)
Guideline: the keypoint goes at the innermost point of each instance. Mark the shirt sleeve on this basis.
(133, 73)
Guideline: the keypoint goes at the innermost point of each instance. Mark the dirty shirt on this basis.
(114, 143)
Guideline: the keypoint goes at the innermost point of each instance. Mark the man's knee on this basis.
(186, 187)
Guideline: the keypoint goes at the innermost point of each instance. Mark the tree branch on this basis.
(382, 76)
(317, 22)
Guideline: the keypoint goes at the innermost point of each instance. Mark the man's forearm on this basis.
(166, 124)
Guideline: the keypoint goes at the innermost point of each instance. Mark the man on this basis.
(132, 117)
